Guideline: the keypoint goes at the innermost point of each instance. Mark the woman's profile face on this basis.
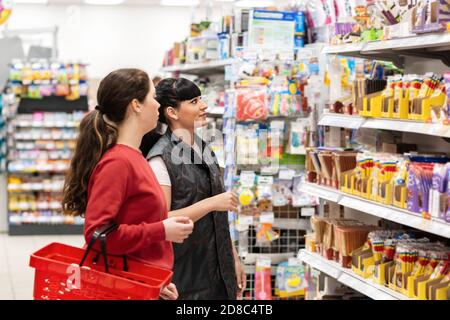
(150, 109)
(192, 113)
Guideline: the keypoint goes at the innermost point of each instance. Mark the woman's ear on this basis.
(172, 113)
(136, 106)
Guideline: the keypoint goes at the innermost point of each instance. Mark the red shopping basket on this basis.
(60, 275)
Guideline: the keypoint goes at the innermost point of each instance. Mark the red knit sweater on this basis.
(124, 189)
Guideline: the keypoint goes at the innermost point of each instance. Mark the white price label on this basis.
(267, 217)
(247, 178)
(307, 212)
(294, 262)
(266, 180)
(263, 262)
(286, 174)
(244, 220)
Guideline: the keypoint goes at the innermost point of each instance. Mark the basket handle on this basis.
(101, 235)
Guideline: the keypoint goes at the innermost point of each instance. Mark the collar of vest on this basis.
(176, 140)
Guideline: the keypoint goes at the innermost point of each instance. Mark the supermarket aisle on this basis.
(16, 277)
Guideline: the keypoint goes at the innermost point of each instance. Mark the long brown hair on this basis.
(98, 132)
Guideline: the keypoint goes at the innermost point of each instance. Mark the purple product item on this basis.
(439, 189)
(447, 90)
(447, 215)
(412, 192)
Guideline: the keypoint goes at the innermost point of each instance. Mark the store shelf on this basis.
(350, 279)
(44, 139)
(431, 46)
(291, 224)
(210, 67)
(215, 111)
(321, 192)
(40, 124)
(356, 122)
(408, 126)
(341, 120)
(391, 213)
(251, 268)
(53, 104)
(44, 229)
(275, 258)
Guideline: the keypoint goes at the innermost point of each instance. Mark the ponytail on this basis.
(96, 136)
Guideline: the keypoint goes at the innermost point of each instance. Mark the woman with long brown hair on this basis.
(110, 181)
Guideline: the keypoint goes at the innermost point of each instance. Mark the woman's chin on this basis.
(200, 123)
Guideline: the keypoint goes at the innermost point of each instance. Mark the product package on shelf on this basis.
(398, 259)
(251, 104)
(263, 285)
(336, 239)
(406, 97)
(413, 181)
(3, 151)
(290, 280)
(45, 79)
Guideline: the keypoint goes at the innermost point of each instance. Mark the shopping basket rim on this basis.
(34, 257)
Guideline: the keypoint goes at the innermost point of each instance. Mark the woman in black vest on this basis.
(207, 265)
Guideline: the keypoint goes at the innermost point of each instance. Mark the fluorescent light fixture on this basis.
(104, 2)
(31, 1)
(180, 3)
(254, 3)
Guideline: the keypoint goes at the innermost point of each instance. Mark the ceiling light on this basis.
(104, 2)
(254, 3)
(180, 3)
(31, 1)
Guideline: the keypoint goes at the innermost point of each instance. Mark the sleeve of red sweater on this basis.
(108, 191)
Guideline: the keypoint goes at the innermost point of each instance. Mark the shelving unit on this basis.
(205, 68)
(430, 46)
(42, 137)
(435, 226)
(433, 51)
(349, 278)
(356, 122)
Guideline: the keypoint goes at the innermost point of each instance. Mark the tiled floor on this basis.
(16, 276)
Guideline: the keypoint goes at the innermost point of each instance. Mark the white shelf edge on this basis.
(215, 110)
(407, 43)
(198, 66)
(350, 279)
(321, 192)
(373, 208)
(356, 122)
(341, 120)
(408, 126)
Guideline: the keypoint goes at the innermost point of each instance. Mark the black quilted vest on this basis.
(204, 265)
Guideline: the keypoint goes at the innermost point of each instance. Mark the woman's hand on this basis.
(241, 277)
(169, 293)
(226, 201)
(178, 228)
